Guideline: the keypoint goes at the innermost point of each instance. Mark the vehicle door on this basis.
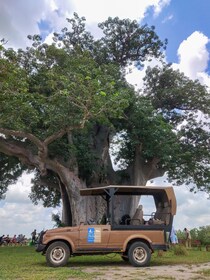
(93, 237)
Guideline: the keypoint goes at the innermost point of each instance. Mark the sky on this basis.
(185, 23)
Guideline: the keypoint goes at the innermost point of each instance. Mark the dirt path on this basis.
(169, 272)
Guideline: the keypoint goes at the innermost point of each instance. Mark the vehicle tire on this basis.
(57, 254)
(139, 254)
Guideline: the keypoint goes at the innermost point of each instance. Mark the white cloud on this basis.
(21, 18)
(18, 215)
(135, 76)
(96, 11)
(168, 18)
(193, 61)
(18, 19)
(191, 209)
(193, 57)
(159, 5)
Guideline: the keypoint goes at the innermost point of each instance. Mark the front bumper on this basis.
(40, 247)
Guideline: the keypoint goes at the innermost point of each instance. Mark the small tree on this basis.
(204, 235)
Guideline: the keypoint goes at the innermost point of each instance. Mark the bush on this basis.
(160, 253)
(180, 250)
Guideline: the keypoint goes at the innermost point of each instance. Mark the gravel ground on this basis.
(127, 272)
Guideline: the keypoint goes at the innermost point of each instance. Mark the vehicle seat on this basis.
(161, 214)
(166, 212)
(158, 213)
(137, 218)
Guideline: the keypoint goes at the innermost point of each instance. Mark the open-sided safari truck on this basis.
(134, 238)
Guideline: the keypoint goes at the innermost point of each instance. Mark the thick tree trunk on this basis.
(139, 172)
(71, 201)
(77, 209)
(66, 206)
(83, 208)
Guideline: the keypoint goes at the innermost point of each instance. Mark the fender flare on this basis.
(136, 237)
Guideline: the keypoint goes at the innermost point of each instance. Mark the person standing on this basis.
(14, 240)
(187, 238)
(33, 235)
(173, 237)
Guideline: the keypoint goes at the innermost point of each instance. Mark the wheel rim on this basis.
(139, 254)
(58, 254)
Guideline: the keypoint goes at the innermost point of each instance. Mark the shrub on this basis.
(180, 250)
(160, 253)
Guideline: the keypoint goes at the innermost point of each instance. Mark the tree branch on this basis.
(23, 154)
(22, 134)
(54, 136)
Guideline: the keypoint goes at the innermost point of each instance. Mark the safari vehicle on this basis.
(134, 238)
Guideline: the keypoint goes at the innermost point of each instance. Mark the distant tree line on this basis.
(202, 234)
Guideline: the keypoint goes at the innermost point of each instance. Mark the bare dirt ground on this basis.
(165, 272)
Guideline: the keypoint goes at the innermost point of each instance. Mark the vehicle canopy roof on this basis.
(160, 194)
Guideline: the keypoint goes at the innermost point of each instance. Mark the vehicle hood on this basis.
(61, 230)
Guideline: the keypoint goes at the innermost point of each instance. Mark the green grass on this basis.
(23, 263)
(194, 256)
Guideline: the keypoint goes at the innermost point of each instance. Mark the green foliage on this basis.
(169, 125)
(147, 128)
(86, 157)
(126, 42)
(203, 234)
(59, 90)
(184, 104)
(180, 250)
(173, 93)
(49, 88)
(45, 189)
(180, 234)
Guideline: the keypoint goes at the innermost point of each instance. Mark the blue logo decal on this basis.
(91, 235)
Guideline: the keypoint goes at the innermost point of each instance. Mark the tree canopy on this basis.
(62, 104)
(168, 125)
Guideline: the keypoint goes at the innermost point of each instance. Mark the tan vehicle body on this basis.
(116, 240)
(134, 241)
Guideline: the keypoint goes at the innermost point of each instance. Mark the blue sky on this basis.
(185, 23)
(178, 21)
